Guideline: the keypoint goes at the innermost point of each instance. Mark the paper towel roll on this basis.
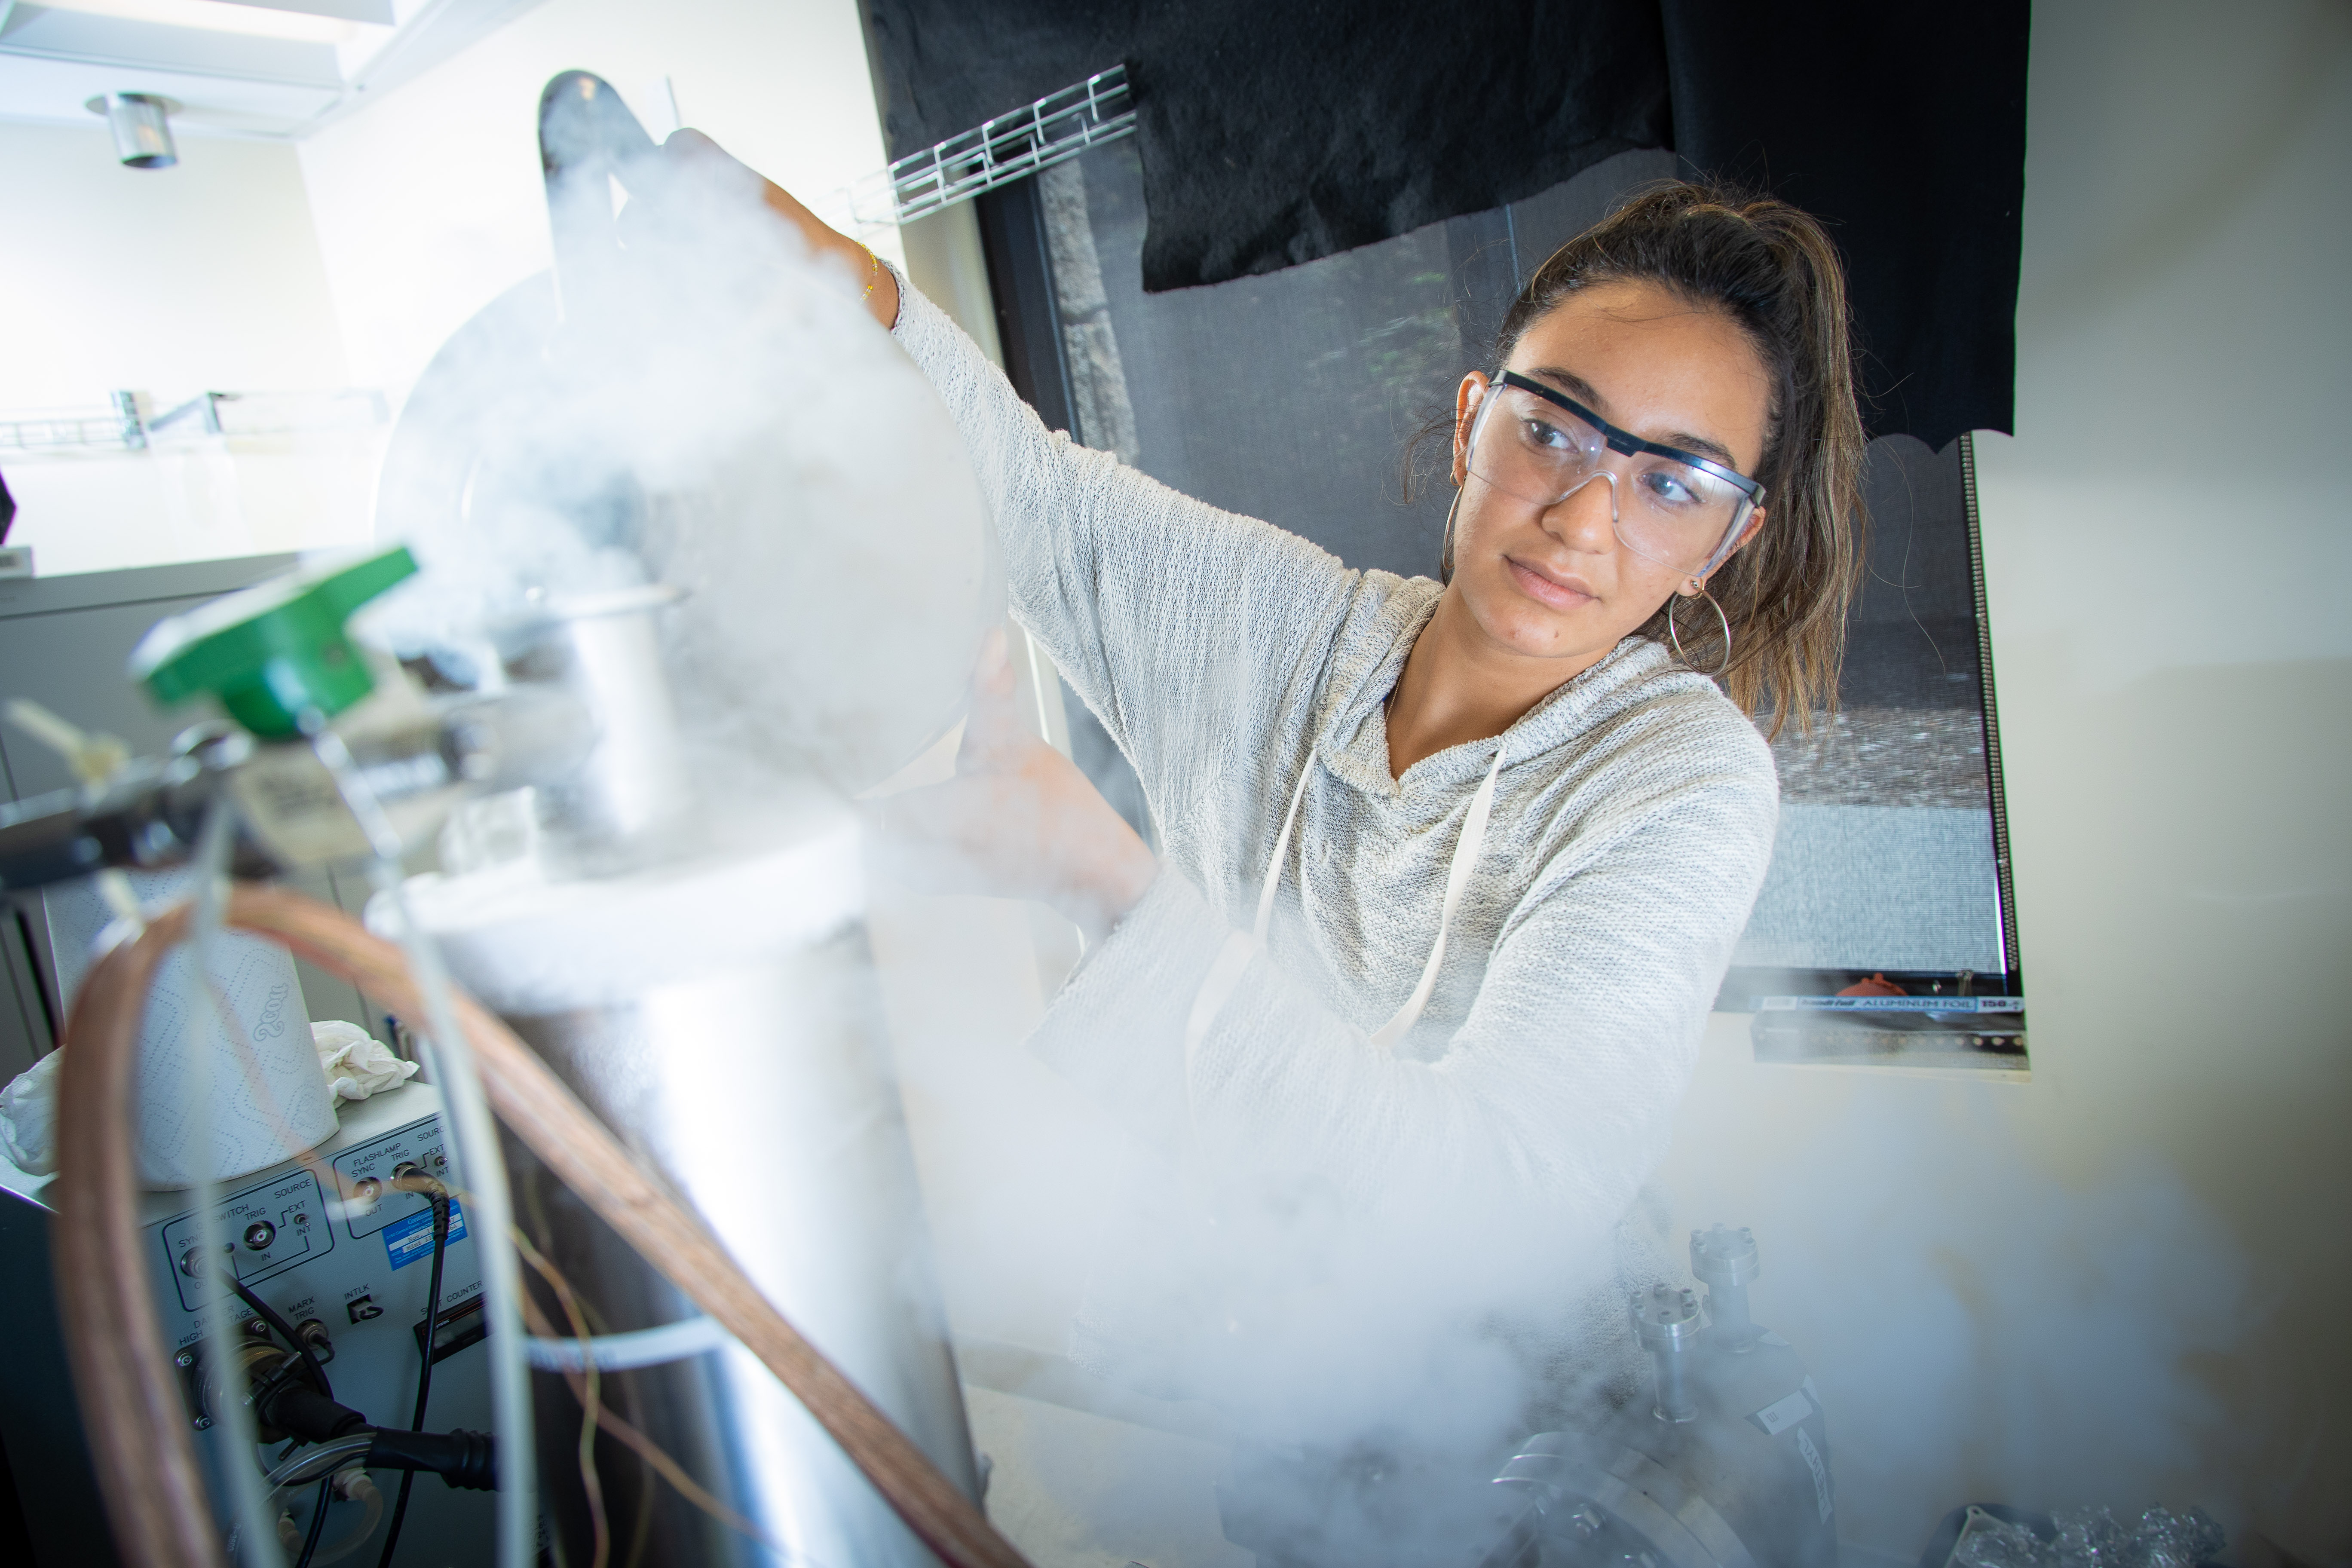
(267, 1105)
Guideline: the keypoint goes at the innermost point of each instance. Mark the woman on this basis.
(1450, 869)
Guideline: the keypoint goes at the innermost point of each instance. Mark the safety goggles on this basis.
(1673, 507)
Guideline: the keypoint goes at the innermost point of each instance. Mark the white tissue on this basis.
(28, 1118)
(263, 1106)
(356, 1064)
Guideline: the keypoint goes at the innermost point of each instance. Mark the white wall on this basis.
(2123, 1282)
(205, 275)
(429, 203)
(202, 277)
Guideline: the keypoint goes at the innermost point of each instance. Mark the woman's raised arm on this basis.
(693, 147)
(1145, 599)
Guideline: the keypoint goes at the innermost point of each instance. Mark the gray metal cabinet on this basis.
(65, 643)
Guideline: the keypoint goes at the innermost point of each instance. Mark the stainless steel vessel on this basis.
(1727, 1466)
(710, 994)
(687, 485)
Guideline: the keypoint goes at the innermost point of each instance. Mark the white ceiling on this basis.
(53, 58)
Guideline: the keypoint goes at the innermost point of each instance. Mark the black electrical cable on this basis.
(439, 1198)
(318, 1524)
(271, 1315)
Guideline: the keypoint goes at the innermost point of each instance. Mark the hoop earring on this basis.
(1446, 546)
(1676, 637)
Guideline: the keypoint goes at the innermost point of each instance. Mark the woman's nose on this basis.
(1585, 519)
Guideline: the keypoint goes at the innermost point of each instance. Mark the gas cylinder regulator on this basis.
(329, 750)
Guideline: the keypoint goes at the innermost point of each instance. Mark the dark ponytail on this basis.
(1772, 270)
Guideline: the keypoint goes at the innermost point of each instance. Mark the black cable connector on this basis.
(462, 1458)
(271, 1315)
(300, 1411)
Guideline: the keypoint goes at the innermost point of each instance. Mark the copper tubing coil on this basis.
(131, 1401)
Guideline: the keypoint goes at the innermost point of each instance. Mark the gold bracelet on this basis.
(874, 281)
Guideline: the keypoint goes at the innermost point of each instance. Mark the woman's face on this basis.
(1554, 582)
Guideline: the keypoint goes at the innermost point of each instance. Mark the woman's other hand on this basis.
(692, 151)
(1019, 820)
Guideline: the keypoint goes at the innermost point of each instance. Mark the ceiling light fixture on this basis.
(222, 16)
(142, 127)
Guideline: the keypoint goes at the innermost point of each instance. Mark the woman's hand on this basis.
(697, 156)
(1019, 820)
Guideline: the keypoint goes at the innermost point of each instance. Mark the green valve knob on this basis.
(275, 651)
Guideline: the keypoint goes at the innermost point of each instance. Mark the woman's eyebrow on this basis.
(1585, 392)
(1573, 385)
(1703, 447)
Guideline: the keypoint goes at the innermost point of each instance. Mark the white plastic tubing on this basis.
(255, 1541)
(482, 1175)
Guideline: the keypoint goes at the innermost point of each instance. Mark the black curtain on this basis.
(1272, 134)
(1904, 128)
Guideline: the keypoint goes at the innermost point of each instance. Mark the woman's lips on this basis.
(1546, 590)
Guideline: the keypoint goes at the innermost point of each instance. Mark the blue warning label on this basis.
(410, 1240)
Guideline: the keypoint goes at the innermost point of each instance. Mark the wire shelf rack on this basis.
(117, 427)
(1054, 130)
(125, 424)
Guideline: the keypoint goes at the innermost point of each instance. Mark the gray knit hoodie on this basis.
(1630, 830)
